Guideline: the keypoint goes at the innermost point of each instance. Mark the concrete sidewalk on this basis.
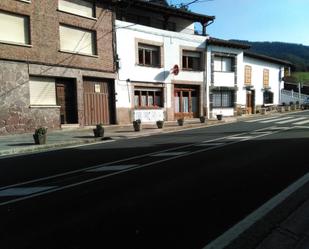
(56, 139)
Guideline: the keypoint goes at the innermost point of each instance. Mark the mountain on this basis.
(297, 54)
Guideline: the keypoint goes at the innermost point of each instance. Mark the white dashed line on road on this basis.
(23, 191)
(112, 168)
(171, 153)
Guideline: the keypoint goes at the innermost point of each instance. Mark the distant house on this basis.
(239, 81)
(263, 81)
(56, 64)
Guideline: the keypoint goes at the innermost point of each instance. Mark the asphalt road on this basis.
(177, 190)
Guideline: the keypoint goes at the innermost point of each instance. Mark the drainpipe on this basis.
(205, 86)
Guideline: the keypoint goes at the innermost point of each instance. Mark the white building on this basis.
(239, 81)
(263, 81)
(161, 63)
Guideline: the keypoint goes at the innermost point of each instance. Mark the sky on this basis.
(256, 20)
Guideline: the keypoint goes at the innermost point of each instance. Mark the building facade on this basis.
(161, 63)
(240, 82)
(56, 64)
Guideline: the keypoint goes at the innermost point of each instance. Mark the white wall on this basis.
(224, 79)
(275, 84)
(126, 34)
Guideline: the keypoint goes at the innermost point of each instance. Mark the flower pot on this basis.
(39, 139)
(180, 121)
(160, 124)
(98, 132)
(137, 125)
(202, 119)
(219, 116)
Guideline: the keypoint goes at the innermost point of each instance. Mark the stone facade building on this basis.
(56, 64)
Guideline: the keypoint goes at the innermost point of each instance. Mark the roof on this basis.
(225, 43)
(168, 10)
(267, 58)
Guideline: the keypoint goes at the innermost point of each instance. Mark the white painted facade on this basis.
(131, 74)
(217, 80)
(276, 73)
(235, 80)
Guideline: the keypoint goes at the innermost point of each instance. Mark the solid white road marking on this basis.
(112, 168)
(301, 122)
(230, 235)
(290, 121)
(171, 153)
(276, 119)
(23, 191)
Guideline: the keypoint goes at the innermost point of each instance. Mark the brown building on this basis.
(56, 64)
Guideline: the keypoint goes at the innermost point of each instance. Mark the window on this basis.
(223, 98)
(78, 7)
(265, 78)
(248, 72)
(42, 91)
(148, 55)
(148, 97)
(77, 40)
(14, 28)
(191, 60)
(223, 64)
(268, 97)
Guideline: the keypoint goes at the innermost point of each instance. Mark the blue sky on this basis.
(256, 20)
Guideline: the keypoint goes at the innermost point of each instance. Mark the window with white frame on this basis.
(77, 40)
(222, 98)
(14, 28)
(148, 97)
(191, 60)
(42, 91)
(78, 7)
(223, 64)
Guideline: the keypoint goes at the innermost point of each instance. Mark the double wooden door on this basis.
(99, 101)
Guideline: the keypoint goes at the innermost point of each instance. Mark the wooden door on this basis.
(250, 102)
(98, 101)
(66, 99)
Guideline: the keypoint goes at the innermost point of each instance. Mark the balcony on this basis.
(226, 79)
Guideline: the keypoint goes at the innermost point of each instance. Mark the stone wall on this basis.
(15, 114)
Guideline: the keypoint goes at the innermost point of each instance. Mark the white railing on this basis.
(291, 96)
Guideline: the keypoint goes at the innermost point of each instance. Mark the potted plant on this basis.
(39, 135)
(202, 119)
(99, 130)
(180, 121)
(160, 124)
(219, 116)
(137, 125)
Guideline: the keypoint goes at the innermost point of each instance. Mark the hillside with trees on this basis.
(297, 54)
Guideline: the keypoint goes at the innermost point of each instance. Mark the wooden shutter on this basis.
(265, 78)
(248, 75)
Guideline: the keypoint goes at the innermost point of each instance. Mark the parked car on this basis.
(305, 104)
